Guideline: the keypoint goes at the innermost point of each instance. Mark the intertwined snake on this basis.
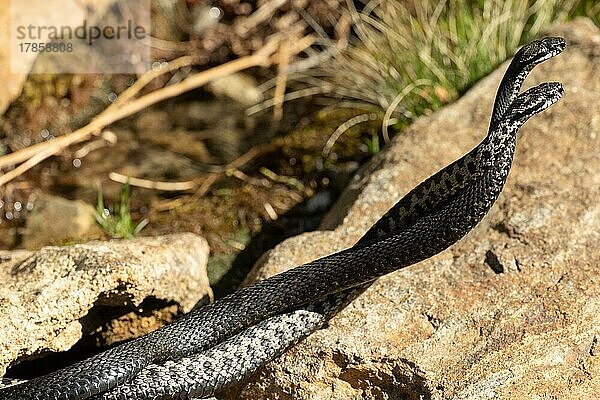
(223, 342)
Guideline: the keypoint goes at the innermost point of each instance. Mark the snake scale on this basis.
(222, 342)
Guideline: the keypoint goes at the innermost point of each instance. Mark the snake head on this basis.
(522, 63)
(540, 50)
(534, 100)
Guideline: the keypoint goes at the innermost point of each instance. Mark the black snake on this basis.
(221, 343)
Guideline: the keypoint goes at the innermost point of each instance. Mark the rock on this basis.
(36, 12)
(239, 87)
(11, 84)
(49, 298)
(452, 327)
(195, 115)
(55, 220)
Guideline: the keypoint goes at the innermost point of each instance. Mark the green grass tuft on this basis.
(411, 57)
(117, 221)
(372, 144)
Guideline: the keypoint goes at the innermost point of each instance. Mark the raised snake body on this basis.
(224, 341)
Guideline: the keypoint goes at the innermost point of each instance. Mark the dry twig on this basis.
(213, 177)
(148, 77)
(235, 164)
(149, 184)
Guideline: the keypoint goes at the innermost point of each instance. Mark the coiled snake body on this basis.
(221, 343)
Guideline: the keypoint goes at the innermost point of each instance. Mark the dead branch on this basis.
(148, 77)
(39, 152)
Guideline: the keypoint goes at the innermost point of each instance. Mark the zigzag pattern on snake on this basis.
(430, 218)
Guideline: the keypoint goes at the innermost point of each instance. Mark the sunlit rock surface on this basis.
(51, 297)
(510, 312)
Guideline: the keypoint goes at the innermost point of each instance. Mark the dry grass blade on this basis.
(284, 60)
(150, 184)
(340, 130)
(212, 178)
(392, 107)
(445, 46)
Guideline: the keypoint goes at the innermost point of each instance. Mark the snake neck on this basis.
(508, 90)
